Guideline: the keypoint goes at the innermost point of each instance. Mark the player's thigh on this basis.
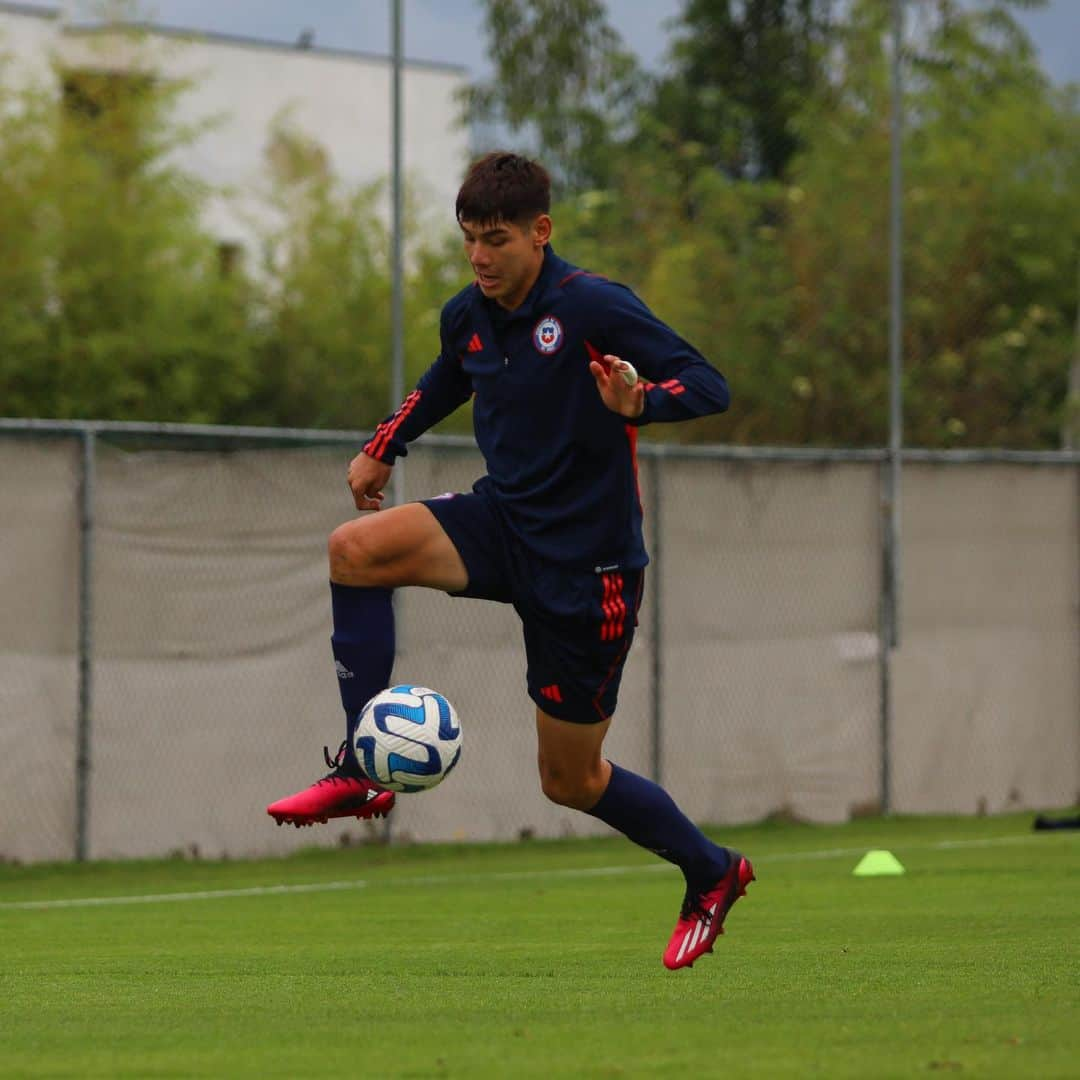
(404, 545)
(578, 628)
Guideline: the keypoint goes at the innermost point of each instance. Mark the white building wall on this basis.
(27, 35)
(341, 100)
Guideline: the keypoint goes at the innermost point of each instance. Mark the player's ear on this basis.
(541, 230)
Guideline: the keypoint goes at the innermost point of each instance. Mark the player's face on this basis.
(506, 257)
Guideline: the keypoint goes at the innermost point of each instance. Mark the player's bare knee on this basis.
(556, 789)
(565, 789)
(353, 558)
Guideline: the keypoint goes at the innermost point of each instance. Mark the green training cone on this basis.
(878, 863)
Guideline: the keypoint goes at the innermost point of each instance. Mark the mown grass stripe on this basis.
(207, 894)
(468, 879)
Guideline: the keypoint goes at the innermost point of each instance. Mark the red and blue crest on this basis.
(548, 335)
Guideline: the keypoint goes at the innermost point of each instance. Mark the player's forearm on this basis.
(438, 393)
(697, 390)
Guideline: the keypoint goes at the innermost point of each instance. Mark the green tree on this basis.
(114, 302)
(739, 72)
(994, 218)
(785, 285)
(119, 305)
(990, 157)
(323, 296)
(564, 77)
(25, 151)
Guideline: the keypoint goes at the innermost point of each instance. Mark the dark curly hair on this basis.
(504, 187)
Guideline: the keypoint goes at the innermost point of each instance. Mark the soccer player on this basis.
(554, 528)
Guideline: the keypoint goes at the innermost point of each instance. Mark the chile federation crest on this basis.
(548, 335)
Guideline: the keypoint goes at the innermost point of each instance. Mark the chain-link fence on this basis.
(165, 668)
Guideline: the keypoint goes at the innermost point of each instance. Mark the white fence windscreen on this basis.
(213, 688)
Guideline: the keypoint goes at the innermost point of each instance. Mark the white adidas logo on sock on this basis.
(342, 671)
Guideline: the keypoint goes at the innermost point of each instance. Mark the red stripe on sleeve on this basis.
(673, 386)
(386, 430)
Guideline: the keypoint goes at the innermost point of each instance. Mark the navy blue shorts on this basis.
(578, 624)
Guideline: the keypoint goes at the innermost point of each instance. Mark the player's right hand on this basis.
(367, 478)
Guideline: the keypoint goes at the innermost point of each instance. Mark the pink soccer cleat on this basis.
(343, 792)
(701, 920)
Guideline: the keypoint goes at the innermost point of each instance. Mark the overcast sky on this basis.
(452, 30)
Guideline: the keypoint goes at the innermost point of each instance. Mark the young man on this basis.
(554, 528)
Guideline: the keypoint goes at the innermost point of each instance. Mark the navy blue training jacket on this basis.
(561, 465)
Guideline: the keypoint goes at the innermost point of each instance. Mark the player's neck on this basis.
(513, 302)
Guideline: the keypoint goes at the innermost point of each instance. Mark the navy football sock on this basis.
(645, 813)
(363, 644)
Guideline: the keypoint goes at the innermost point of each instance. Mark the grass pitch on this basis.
(543, 960)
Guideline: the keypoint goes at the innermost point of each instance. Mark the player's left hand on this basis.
(628, 401)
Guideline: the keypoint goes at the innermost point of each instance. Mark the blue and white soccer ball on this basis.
(407, 738)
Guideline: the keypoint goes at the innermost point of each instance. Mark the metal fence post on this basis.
(889, 632)
(656, 621)
(886, 626)
(85, 646)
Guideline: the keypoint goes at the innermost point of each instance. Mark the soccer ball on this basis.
(407, 738)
